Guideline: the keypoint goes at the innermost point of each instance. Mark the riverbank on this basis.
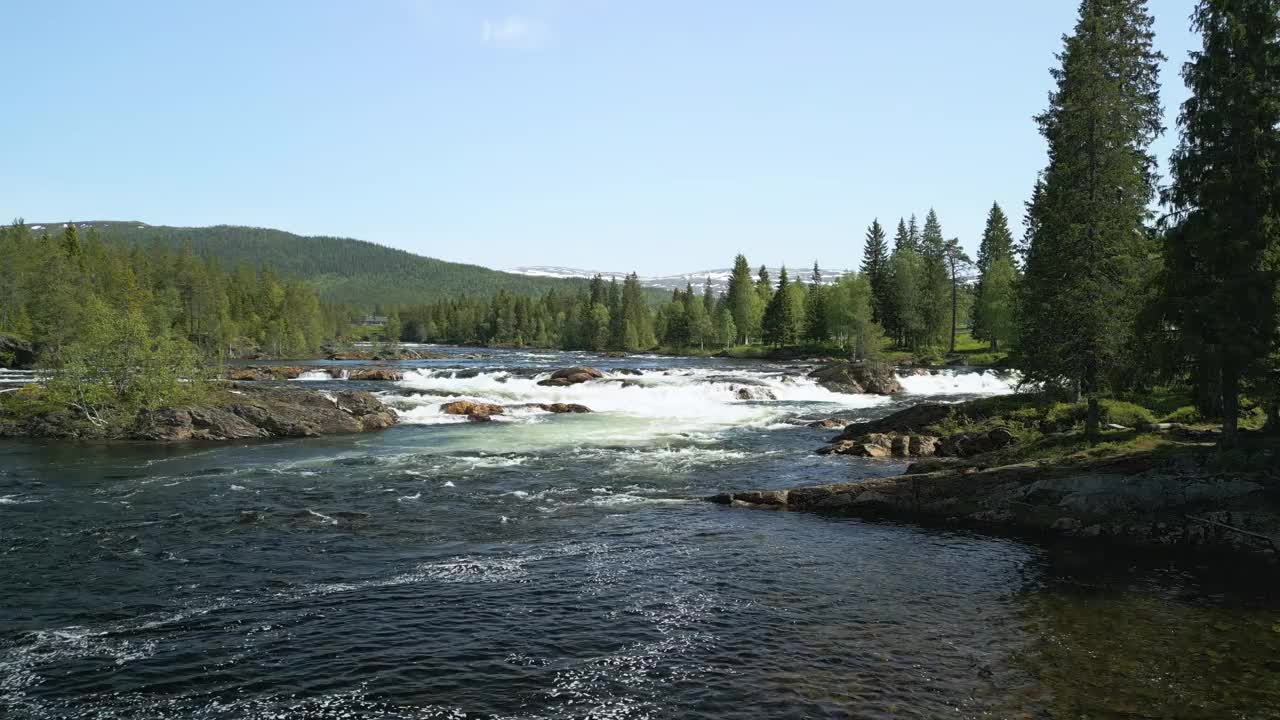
(1018, 463)
(235, 411)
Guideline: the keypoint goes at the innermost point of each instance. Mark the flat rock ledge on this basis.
(1138, 500)
(242, 412)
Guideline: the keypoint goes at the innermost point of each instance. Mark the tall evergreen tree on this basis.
(815, 309)
(935, 282)
(1083, 264)
(997, 244)
(778, 322)
(957, 262)
(1223, 263)
(743, 301)
(875, 266)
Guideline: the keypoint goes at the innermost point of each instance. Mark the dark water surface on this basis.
(554, 567)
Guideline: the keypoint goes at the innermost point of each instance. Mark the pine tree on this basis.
(875, 262)
(743, 301)
(935, 297)
(1226, 191)
(1083, 264)
(777, 315)
(996, 245)
(957, 262)
(914, 240)
(815, 309)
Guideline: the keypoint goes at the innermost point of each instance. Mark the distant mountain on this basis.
(718, 278)
(347, 271)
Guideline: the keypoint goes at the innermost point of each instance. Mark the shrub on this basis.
(1124, 413)
(1185, 414)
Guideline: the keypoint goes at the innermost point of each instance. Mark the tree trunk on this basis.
(1093, 418)
(1230, 402)
(1273, 416)
(955, 302)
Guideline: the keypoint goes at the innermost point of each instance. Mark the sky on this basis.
(660, 136)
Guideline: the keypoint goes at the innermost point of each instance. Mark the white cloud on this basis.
(514, 31)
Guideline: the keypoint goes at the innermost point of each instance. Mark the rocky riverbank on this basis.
(235, 412)
(1144, 499)
(1017, 463)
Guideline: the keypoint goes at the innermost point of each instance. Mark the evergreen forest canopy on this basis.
(344, 271)
(1101, 296)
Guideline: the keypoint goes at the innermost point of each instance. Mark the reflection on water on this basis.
(556, 567)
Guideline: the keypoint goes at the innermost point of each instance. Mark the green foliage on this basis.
(348, 272)
(47, 286)
(993, 308)
(875, 265)
(1089, 251)
(115, 367)
(1222, 280)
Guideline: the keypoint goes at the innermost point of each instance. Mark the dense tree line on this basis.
(1105, 284)
(55, 287)
(345, 271)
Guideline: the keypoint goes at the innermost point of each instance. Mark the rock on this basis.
(169, 424)
(968, 444)
(922, 446)
(477, 412)
(383, 374)
(956, 361)
(249, 373)
(755, 394)
(856, 449)
(908, 420)
(625, 371)
(565, 408)
(858, 378)
(628, 384)
(571, 376)
(16, 353)
(829, 424)
(883, 445)
(266, 413)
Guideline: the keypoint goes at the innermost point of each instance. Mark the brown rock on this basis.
(572, 376)
(477, 412)
(378, 373)
(565, 408)
(858, 378)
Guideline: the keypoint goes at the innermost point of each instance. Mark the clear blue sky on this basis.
(661, 136)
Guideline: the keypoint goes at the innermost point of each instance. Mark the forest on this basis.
(1118, 285)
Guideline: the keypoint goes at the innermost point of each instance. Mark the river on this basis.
(560, 566)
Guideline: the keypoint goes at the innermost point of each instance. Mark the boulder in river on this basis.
(564, 408)
(384, 374)
(572, 376)
(477, 412)
(757, 393)
(858, 378)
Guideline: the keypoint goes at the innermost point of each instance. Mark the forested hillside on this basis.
(345, 271)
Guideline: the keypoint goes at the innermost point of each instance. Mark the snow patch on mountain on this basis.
(719, 278)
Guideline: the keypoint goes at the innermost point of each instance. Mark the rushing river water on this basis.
(555, 566)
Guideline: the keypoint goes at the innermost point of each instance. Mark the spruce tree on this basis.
(778, 322)
(815, 309)
(935, 283)
(743, 301)
(997, 244)
(1223, 262)
(1083, 264)
(875, 261)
